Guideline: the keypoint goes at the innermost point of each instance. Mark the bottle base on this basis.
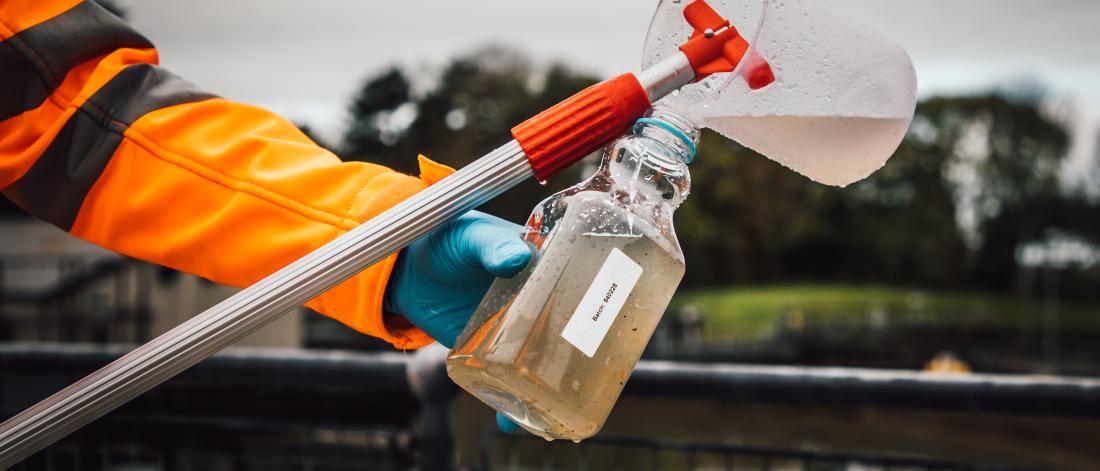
(515, 409)
(538, 417)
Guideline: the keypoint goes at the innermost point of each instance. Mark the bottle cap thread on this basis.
(675, 131)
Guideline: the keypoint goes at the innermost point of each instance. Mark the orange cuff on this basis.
(357, 302)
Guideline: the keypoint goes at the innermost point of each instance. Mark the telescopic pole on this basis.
(544, 145)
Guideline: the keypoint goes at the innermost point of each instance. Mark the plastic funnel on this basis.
(842, 98)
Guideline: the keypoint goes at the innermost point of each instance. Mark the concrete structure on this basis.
(55, 287)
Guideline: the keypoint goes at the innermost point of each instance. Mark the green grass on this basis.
(745, 312)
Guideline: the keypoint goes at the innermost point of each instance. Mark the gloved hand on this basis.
(439, 280)
(505, 424)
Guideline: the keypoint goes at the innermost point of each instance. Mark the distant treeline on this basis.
(975, 180)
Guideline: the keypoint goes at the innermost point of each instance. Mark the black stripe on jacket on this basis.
(55, 186)
(34, 62)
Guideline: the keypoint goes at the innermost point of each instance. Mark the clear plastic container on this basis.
(843, 96)
(552, 347)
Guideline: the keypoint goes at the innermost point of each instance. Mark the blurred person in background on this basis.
(100, 141)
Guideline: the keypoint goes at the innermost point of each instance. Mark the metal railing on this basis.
(297, 409)
(508, 452)
(172, 442)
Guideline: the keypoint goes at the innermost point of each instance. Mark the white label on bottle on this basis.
(602, 302)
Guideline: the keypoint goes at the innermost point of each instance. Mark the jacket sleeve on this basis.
(100, 141)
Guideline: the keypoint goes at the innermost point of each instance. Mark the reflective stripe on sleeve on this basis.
(54, 188)
(34, 62)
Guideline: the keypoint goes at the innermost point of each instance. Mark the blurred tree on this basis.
(744, 213)
(900, 224)
(376, 128)
(1005, 155)
(974, 180)
(1013, 150)
(971, 170)
(753, 220)
(471, 111)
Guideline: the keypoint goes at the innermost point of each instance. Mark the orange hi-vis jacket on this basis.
(100, 141)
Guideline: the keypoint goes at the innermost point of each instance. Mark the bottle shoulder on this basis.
(591, 212)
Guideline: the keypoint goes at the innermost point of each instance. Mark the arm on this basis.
(100, 141)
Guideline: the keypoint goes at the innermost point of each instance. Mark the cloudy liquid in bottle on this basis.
(519, 360)
(552, 347)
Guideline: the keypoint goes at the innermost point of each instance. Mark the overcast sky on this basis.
(304, 59)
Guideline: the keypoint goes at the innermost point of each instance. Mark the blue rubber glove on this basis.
(439, 280)
(505, 424)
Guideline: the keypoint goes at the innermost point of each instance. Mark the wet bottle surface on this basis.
(552, 347)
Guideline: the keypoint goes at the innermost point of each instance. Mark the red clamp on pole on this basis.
(580, 125)
(716, 46)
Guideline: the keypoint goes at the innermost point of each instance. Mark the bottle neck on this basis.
(675, 132)
(648, 168)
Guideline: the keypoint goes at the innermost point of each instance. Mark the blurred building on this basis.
(57, 288)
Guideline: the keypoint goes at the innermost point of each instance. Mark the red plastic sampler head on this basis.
(716, 46)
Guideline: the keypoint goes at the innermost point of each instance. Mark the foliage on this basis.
(749, 312)
(975, 179)
(469, 113)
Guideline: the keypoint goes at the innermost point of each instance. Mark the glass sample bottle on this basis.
(552, 347)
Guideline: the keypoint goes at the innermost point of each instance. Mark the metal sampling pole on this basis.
(544, 144)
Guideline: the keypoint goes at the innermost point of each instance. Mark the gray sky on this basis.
(304, 59)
